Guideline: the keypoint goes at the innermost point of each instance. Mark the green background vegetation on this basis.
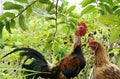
(49, 25)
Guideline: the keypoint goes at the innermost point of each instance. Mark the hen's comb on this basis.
(82, 24)
(91, 40)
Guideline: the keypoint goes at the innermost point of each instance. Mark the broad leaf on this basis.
(71, 9)
(22, 1)
(7, 14)
(12, 23)
(115, 34)
(48, 44)
(115, 8)
(8, 26)
(1, 28)
(45, 1)
(115, 51)
(118, 60)
(117, 12)
(40, 5)
(50, 18)
(110, 2)
(86, 2)
(109, 19)
(74, 20)
(22, 22)
(50, 7)
(118, 1)
(56, 47)
(107, 9)
(64, 29)
(88, 9)
(2, 76)
(9, 5)
(28, 11)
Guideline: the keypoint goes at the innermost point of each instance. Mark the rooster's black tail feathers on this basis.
(38, 64)
(31, 53)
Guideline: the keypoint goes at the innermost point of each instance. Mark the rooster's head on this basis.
(81, 29)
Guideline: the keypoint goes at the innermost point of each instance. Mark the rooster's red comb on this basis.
(91, 40)
(82, 24)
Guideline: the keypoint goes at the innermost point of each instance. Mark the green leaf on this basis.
(50, 18)
(71, 9)
(118, 60)
(115, 34)
(22, 22)
(1, 28)
(9, 6)
(86, 2)
(110, 2)
(118, 1)
(28, 11)
(50, 7)
(115, 51)
(108, 9)
(88, 9)
(74, 20)
(22, 1)
(117, 12)
(2, 76)
(12, 23)
(115, 8)
(7, 14)
(109, 19)
(56, 47)
(8, 26)
(64, 29)
(45, 1)
(40, 5)
(48, 44)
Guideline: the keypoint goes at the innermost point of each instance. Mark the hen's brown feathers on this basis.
(109, 71)
(100, 57)
(103, 68)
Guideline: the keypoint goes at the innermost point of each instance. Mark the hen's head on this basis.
(81, 29)
(93, 44)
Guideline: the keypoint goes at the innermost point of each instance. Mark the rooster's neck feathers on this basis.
(77, 46)
(100, 56)
(77, 41)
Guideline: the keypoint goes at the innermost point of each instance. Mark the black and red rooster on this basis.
(67, 68)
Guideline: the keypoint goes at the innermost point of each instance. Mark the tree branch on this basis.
(25, 9)
(56, 14)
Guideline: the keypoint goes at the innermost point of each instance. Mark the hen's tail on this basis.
(38, 64)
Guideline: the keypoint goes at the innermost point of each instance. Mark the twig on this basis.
(56, 14)
(25, 9)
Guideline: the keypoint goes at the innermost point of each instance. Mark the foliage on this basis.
(49, 27)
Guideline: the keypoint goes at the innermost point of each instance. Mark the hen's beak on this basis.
(93, 47)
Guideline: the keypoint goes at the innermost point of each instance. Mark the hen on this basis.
(67, 68)
(102, 68)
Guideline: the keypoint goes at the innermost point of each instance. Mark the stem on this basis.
(25, 9)
(97, 5)
(56, 14)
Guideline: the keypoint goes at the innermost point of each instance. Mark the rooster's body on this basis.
(102, 67)
(67, 68)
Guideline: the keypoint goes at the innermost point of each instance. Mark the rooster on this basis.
(67, 68)
(102, 68)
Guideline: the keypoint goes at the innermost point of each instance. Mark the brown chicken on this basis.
(102, 67)
(67, 68)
